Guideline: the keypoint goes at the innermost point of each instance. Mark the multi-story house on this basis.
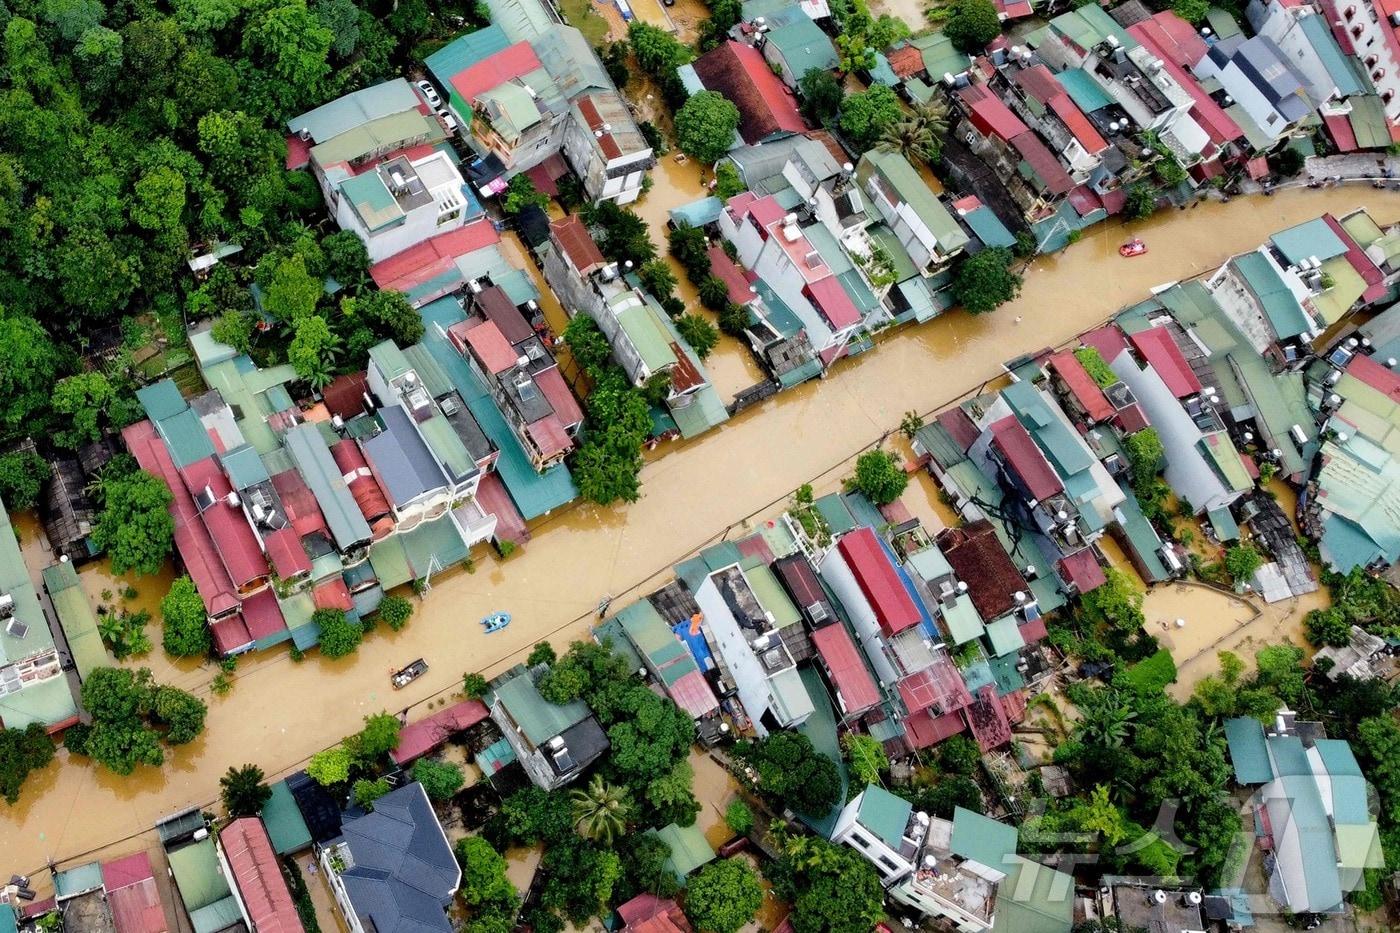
(1031, 173)
(605, 148)
(919, 221)
(1043, 103)
(1373, 28)
(553, 742)
(401, 202)
(1270, 94)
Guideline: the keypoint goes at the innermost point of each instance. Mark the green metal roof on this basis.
(385, 134)
(1310, 238)
(1004, 636)
(372, 200)
(465, 51)
(516, 110)
(1222, 454)
(772, 596)
(982, 839)
(1222, 22)
(941, 57)
(389, 358)
(1033, 899)
(705, 411)
(244, 467)
(1347, 288)
(8, 924)
(539, 719)
(76, 617)
(1083, 89)
(297, 609)
(689, 848)
(217, 916)
(1282, 309)
(930, 564)
(1089, 26)
(647, 336)
(161, 400)
(804, 46)
(837, 514)
(1248, 751)
(790, 695)
(433, 546)
(351, 110)
(196, 868)
(1004, 673)
(254, 394)
(186, 437)
(961, 620)
(430, 374)
(1142, 537)
(904, 267)
(820, 729)
(285, 825)
(47, 702)
(443, 441)
(1339, 67)
(1062, 447)
(912, 190)
(884, 814)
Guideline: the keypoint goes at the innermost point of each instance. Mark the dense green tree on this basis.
(738, 817)
(723, 896)
(243, 791)
(705, 126)
(971, 24)
(379, 737)
(134, 526)
(866, 757)
(339, 634)
(622, 235)
(542, 653)
(669, 798)
(985, 282)
(821, 94)
(521, 193)
(395, 611)
(234, 328)
(474, 686)
(181, 713)
(28, 366)
(652, 735)
(1327, 627)
(1116, 603)
(390, 315)
(440, 779)
(1241, 562)
(331, 766)
(658, 52)
(22, 477)
(793, 773)
(22, 751)
(579, 879)
(864, 116)
(918, 136)
(484, 881)
(313, 350)
(690, 248)
(645, 869)
(288, 46)
(699, 333)
(601, 810)
(832, 889)
(1140, 201)
(366, 791)
(82, 401)
(185, 621)
(530, 816)
(879, 477)
(1145, 456)
(126, 705)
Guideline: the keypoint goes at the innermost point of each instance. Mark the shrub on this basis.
(339, 635)
(879, 477)
(441, 779)
(395, 611)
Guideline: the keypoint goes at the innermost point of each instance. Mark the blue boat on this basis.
(496, 621)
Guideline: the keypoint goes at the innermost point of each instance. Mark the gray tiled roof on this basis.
(401, 459)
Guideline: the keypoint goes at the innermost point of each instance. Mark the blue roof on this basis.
(699, 648)
(1083, 90)
(698, 213)
(988, 228)
(401, 459)
(534, 493)
(1282, 309)
(1347, 783)
(1310, 238)
(1248, 752)
(1339, 67)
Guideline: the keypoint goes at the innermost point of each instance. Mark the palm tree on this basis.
(243, 791)
(600, 810)
(918, 136)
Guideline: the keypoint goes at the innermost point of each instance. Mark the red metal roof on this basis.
(938, 688)
(495, 305)
(259, 878)
(132, 895)
(1082, 571)
(1114, 200)
(1169, 45)
(515, 61)
(549, 436)
(855, 689)
(692, 693)
(960, 427)
(333, 594)
(1108, 340)
(491, 348)
(833, 302)
(1024, 458)
(419, 738)
(1162, 354)
(560, 396)
(406, 270)
(988, 720)
(906, 62)
(989, 114)
(360, 479)
(733, 277)
(1033, 630)
(1257, 168)
(1132, 419)
(262, 616)
(233, 537)
(978, 558)
(1039, 82)
(923, 730)
(1043, 162)
(1081, 385)
(647, 913)
(230, 634)
(740, 73)
(878, 581)
(684, 374)
(1339, 128)
(491, 495)
(299, 502)
(1375, 375)
(298, 153)
(1083, 130)
(577, 243)
(345, 396)
(1084, 200)
(289, 558)
(192, 540)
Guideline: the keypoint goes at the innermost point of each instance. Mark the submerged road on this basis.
(280, 712)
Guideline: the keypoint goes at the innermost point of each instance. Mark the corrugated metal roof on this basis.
(286, 827)
(878, 581)
(537, 718)
(884, 814)
(318, 469)
(1248, 752)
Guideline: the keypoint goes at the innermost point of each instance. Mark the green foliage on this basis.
(1116, 604)
(1242, 560)
(864, 116)
(985, 282)
(365, 792)
(621, 234)
(705, 126)
(395, 611)
(792, 773)
(1145, 457)
(124, 632)
(832, 889)
(521, 193)
(379, 737)
(1193, 11)
(331, 766)
(1378, 745)
(339, 634)
(542, 653)
(738, 817)
(658, 279)
(313, 350)
(530, 816)
(669, 798)
(1151, 674)
(181, 713)
(1228, 694)
(1287, 162)
(441, 779)
(474, 686)
(579, 879)
(1094, 365)
(971, 24)
(919, 136)
(235, 328)
(727, 181)
(879, 477)
(388, 315)
(959, 754)
(723, 896)
(485, 887)
(134, 526)
(129, 711)
(81, 401)
(1141, 201)
(601, 810)
(22, 477)
(1327, 628)
(821, 94)
(22, 752)
(658, 52)
(942, 797)
(347, 259)
(699, 333)
(243, 791)
(867, 758)
(607, 467)
(185, 621)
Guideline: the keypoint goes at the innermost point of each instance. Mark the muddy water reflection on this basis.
(280, 712)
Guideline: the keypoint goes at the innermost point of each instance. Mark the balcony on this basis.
(475, 525)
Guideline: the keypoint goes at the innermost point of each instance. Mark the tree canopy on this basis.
(132, 715)
(22, 751)
(985, 282)
(185, 621)
(340, 635)
(865, 115)
(971, 24)
(792, 772)
(705, 126)
(723, 896)
(243, 791)
(134, 526)
(879, 477)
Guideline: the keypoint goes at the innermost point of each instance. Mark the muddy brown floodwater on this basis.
(281, 712)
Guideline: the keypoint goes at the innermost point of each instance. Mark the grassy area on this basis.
(581, 15)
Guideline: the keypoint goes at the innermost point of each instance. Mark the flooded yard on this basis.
(280, 712)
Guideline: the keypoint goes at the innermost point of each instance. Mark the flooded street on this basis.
(280, 712)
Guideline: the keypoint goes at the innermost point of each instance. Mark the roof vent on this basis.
(16, 629)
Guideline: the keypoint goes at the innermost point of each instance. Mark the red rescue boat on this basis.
(1133, 247)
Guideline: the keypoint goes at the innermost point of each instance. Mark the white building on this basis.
(1377, 44)
(1261, 79)
(398, 203)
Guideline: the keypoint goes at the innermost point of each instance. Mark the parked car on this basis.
(430, 93)
(448, 120)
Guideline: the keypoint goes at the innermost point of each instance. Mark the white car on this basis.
(430, 93)
(448, 120)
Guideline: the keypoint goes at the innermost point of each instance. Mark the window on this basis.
(449, 217)
(860, 840)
